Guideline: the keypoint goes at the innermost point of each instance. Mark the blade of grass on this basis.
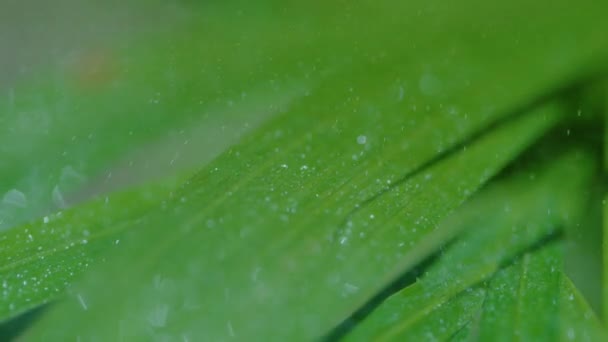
(576, 319)
(512, 215)
(443, 321)
(583, 245)
(542, 300)
(252, 224)
(188, 92)
(605, 258)
(605, 212)
(268, 279)
(75, 130)
(41, 259)
(578, 322)
(522, 300)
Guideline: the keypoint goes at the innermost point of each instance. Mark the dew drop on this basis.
(429, 84)
(158, 316)
(571, 334)
(16, 198)
(58, 199)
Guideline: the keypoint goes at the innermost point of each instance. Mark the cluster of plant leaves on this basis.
(378, 170)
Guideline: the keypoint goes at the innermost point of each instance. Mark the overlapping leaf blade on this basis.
(174, 100)
(321, 207)
(533, 299)
(503, 221)
(240, 272)
(41, 259)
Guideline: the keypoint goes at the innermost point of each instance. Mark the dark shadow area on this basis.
(553, 237)
(10, 330)
(395, 286)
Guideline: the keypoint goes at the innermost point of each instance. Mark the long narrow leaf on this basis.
(314, 212)
(503, 221)
(41, 259)
(239, 274)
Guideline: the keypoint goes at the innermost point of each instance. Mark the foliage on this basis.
(296, 171)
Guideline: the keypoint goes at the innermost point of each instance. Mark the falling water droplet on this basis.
(82, 302)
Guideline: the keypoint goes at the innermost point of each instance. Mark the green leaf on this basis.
(604, 291)
(256, 280)
(605, 213)
(578, 322)
(117, 116)
(529, 300)
(534, 300)
(505, 219)
(605, 258)
(443, 322)
(291, 230)
(41, 259)
(522, 300)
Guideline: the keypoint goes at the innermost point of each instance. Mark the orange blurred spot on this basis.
(95, 69)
